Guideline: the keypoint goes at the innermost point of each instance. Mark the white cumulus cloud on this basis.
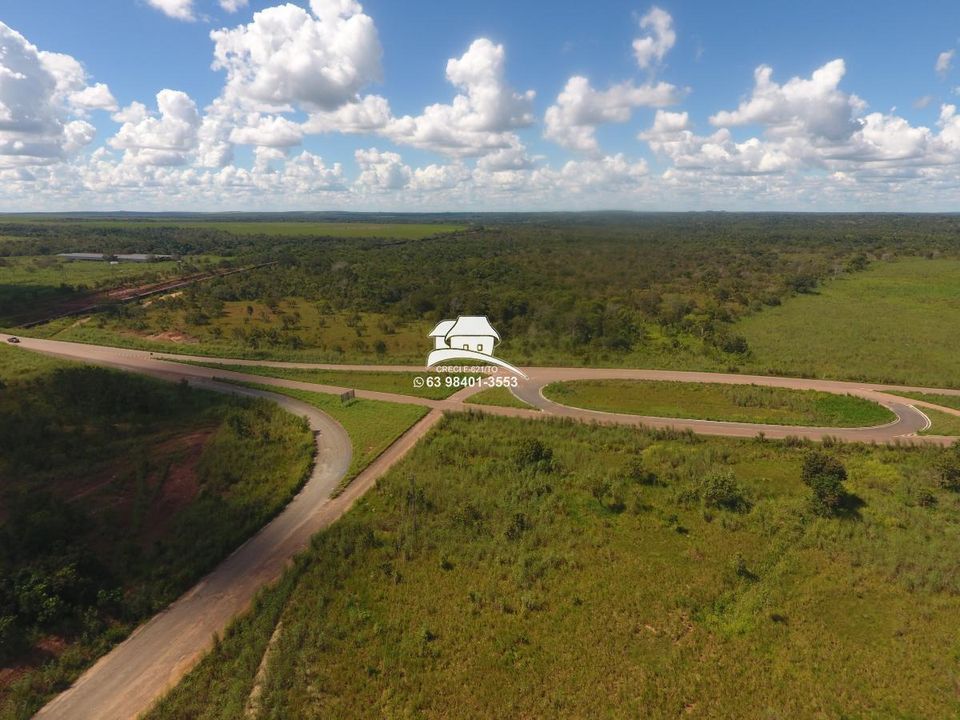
(167, 137)
(177, 9)
(367, 115)
(812, 106)
(481, 117)
(39, 93)
(275, 132)
(944, 62)
(94, 97)
(381, 171)
(572, 121)
(232, 6)
(650, 49)
(290, 58)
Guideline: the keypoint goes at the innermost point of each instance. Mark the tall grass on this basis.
(508, 569)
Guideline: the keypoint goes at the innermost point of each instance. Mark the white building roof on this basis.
(472, 326)
(442, 328)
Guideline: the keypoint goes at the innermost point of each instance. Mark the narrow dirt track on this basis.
(129, 679)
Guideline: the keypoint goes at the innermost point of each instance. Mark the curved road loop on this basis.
(129, 679)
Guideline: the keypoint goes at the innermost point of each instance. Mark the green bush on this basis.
(948, 468)
(825, 475)
(534, 455)
(719, 489)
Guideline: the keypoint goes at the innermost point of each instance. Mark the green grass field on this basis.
(501, 397)
(401, 383)
(19, 364)
(738, 403)
(579, 586)
(51, 271)
(891, 323)
(287, 228)
(372, 425)
(27, 283)
(950, 401)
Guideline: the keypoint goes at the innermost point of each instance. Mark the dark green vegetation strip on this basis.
(372, 425)
(734, 403)
(117, 492)
(276, 229)
(585, 571)
(886, 325)
(501, 397)
(392, 382)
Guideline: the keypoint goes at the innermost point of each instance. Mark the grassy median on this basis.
(715, 401)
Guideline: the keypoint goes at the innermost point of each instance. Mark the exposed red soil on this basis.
(171, 485)
(173, 337)
(47, 649)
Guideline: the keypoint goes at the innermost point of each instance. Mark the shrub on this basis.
(534, 454)
(825, 475)
(719, 489)
(948, 468)
(518, 526)
(637, 473)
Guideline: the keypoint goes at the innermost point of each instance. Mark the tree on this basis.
(825, 475)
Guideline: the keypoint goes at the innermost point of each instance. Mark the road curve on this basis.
(126, 681)
(908, 420)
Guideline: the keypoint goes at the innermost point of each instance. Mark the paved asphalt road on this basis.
(126, 681)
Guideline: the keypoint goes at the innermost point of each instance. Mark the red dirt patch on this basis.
(174, 337)
(181, 487)
(45, 650)
(170, 485)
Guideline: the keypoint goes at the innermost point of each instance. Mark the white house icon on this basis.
(468, 337)
(468, 332)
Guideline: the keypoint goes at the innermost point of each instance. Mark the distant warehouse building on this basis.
(100, 257)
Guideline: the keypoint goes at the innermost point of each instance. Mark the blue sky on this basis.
(687, 125)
